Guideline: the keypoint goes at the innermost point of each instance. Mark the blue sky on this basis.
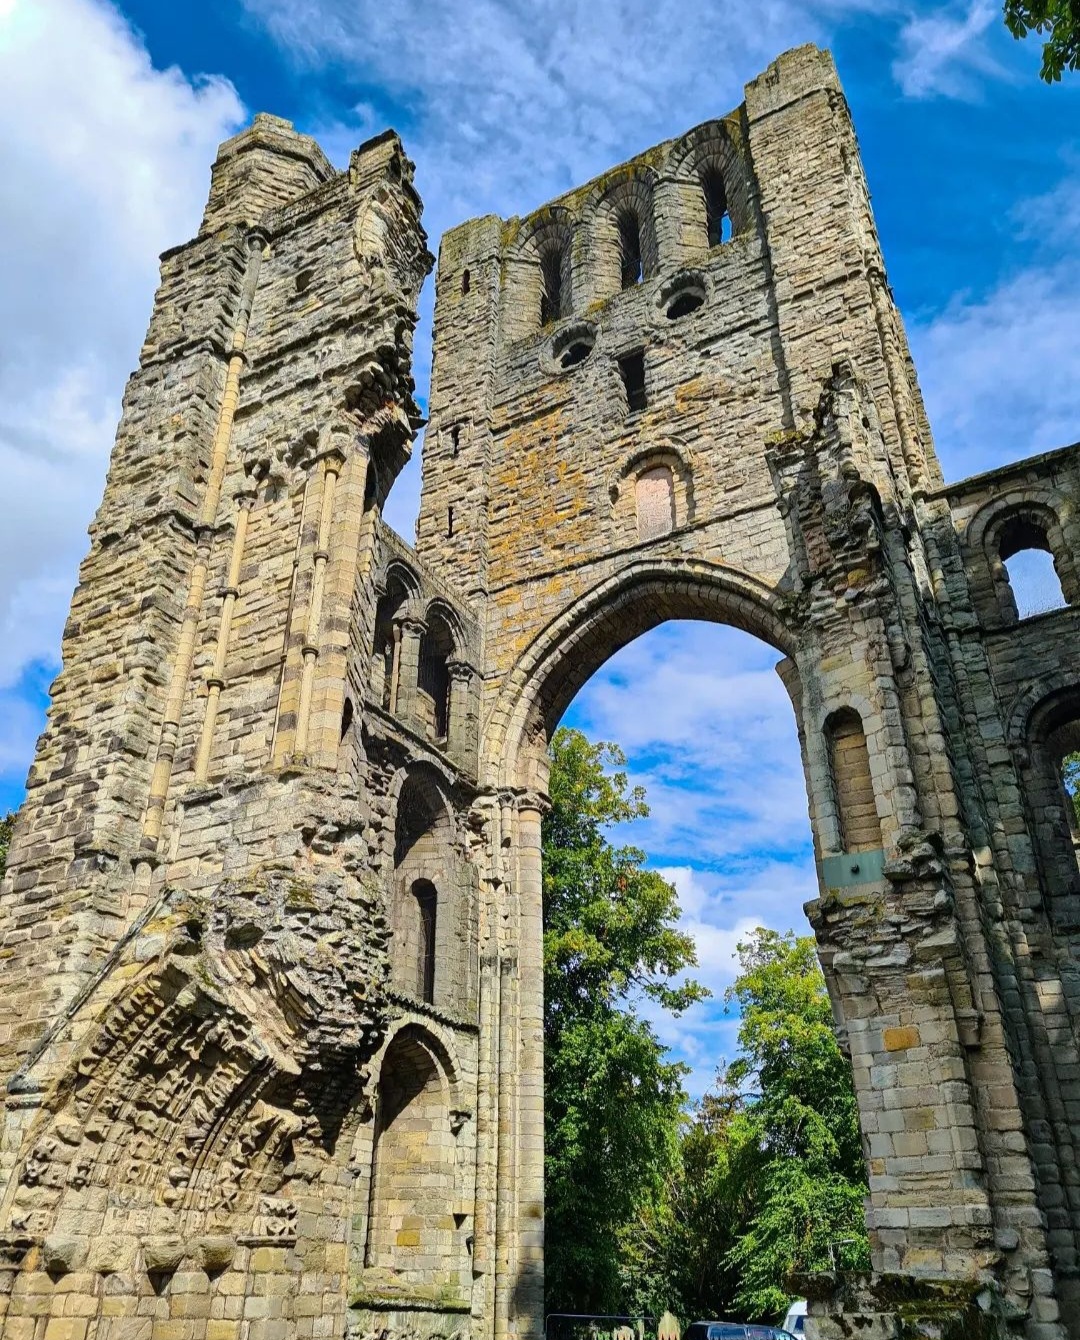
(112, 114)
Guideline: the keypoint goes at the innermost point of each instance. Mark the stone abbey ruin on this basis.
(271, 1005)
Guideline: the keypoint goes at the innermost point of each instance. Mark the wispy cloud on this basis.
(711, 734)
(511, 101)
(1001, 373)
(105, 163)
(945, 53)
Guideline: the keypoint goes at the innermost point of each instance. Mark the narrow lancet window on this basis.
(426, 906)
(632, 372)
(717, 218)
(853, 786)
(551, 285)
(632, 268)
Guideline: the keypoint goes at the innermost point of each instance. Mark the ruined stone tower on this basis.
(271, 1006)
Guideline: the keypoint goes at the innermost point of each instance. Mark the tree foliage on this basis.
(651, 1206)
(6, 825)
(1070, 775)
(1058, 21)
(771, 1178)
(613, 1102)
(793, 1145)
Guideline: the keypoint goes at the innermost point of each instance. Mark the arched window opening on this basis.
(422, 846)
(551, 285)
(853, 786)
(385, 650)
(411, 1228)
(655, 493)
(466, 280)
(632, 372)
(1063, 751)
(630, 259)
(346, 717)
(717, 217)
(427, 900)
(436, 648)
(1025, 553)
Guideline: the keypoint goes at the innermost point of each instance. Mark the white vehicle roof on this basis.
(797, 1309)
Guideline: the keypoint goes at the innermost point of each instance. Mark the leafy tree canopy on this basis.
(1058, 21)
(1070, 775)
(793, 1146)
(770, 1179)
(651, 1206)
(613, 1102)
(6, 825)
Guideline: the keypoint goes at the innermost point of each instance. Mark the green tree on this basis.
(793, 1147)
(6, 825)
(1070, 775)
(613, 1102)
(771, 1177)
(1058, 21)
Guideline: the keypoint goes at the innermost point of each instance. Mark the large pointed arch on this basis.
(590, 629)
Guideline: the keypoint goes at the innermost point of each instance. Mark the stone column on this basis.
(459, 733)
(216, 679)
(179, 680)
(313, 631)
(527, 1310)
(407, 635)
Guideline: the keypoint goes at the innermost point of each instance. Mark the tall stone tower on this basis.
(271, 1007)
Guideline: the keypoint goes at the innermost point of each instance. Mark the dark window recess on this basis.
(466, 281)
(303, 280)
(686, 302)
(436, 647)
(717, 217)
(551, 294)
(575, 353)
(427, 901)
(455, 439)
(631, 266)
(632, 371)
(346, 717)
(449, 523)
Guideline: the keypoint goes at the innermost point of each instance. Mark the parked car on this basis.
(795, 1321)
(734, 1330)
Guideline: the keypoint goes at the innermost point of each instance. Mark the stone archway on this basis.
(907, 1028)
(412, 1236)
(592, 627)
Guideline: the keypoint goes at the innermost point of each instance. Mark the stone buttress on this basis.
(239, 1013)
(271, 1021)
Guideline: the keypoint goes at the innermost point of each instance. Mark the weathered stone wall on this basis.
(775, 471)
(271, 1020)
(199, 916)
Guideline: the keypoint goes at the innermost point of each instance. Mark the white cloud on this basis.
(719, 911)
(945, 53)
(513, 101)
(506, 103)
(105, 162)
(711, 735)
(1001, 373)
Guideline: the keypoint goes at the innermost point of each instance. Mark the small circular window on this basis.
(572, 347)
(683, 295)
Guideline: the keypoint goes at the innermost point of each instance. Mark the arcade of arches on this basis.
(271, 1009)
